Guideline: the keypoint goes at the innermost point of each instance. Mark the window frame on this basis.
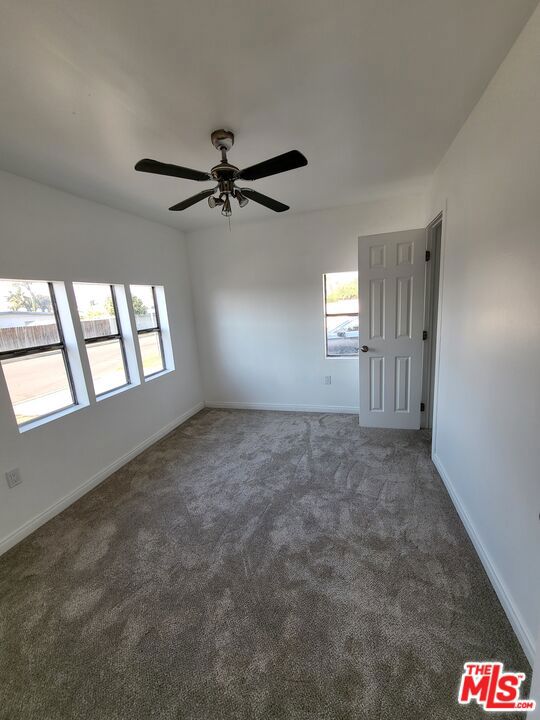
(104, 338)
(49, 347)
(326, 314)
(147, 331)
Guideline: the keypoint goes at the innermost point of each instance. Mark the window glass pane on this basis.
(96, 309)
(107, 365)
(143, 306)
(342, 335)
(341, 292)
(152, 358)
(26, 315)
(38, 384)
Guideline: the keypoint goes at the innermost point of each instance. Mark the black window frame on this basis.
(104, 338)
(340, 314)
(49, 347)
(153, 329)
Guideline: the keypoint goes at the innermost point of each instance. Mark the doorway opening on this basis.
(431, 311)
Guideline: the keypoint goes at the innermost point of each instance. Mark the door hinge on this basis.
(424, 334)
(428, 255)
(422, 407)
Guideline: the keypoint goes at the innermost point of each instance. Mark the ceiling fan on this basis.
(226, 176)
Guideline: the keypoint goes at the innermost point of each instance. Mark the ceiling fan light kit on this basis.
(225, 175)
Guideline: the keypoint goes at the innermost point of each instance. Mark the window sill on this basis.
(341, 357)
(116, 391)
(159, 374)
(51, 418)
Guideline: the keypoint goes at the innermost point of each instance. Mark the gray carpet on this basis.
(252, 565)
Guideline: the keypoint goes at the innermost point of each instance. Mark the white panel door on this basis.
(391, 275)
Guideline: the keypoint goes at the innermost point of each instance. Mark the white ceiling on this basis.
(371, 91)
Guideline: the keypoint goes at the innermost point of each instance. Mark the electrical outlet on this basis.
(327, 379)
(13, 478)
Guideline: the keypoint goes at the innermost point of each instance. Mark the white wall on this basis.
(55, 236)
(535, 689)
(259, 307)
(488, 406)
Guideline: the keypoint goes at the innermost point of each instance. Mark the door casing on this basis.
(431, 307)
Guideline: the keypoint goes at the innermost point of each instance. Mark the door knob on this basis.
(364, 348)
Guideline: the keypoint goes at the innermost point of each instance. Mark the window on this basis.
(145, 308)
(98, 312)
(341, 314)
(32, 350)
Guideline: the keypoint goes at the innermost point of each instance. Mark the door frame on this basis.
(439, 218)
(433, 247)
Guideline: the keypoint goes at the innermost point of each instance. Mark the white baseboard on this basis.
(523, 633)
(347, 409)
(41, 518)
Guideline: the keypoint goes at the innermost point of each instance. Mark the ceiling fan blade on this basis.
(268, 202)
(159, 168)
(193, 199)
(280, 163)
